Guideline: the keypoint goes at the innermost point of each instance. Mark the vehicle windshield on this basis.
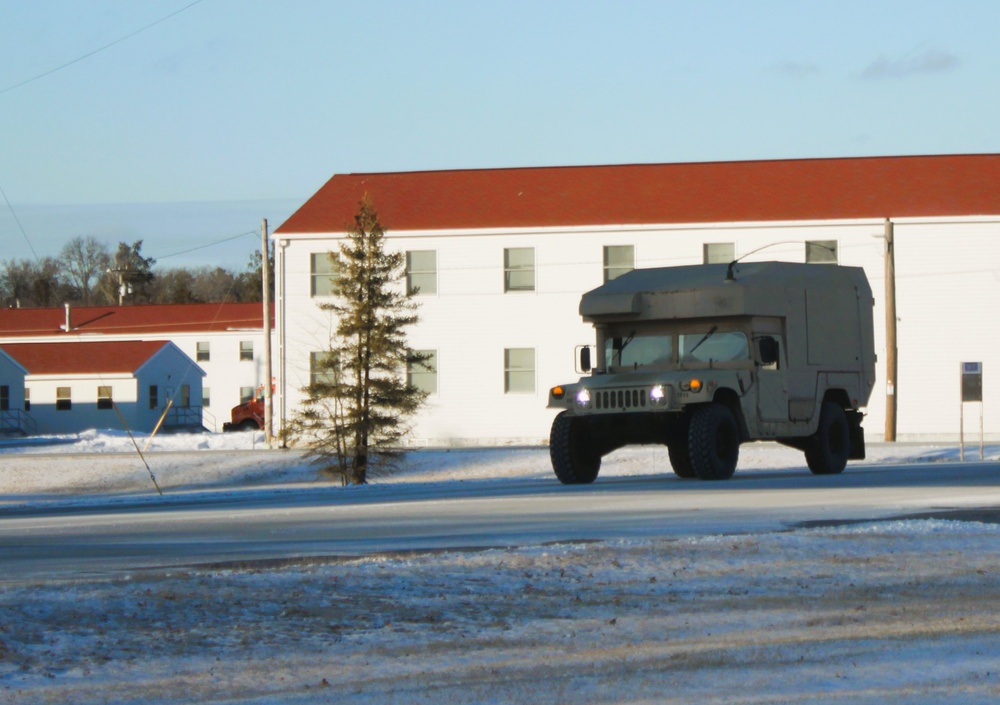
(714, 346)
(634, 351)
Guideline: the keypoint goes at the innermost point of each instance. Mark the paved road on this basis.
(258, 525)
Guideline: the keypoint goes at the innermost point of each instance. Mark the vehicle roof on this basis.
(707, 290)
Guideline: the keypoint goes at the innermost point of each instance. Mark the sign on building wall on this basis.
(972, 390)
(972, 381)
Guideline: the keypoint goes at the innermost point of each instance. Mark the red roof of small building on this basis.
(83, 358)
(712, 192)
(151, 319)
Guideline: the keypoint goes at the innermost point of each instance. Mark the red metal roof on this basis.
(723, 192)
(83, 358)
(153, 319)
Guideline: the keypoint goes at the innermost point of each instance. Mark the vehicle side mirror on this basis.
(585, 358)
(768, 347)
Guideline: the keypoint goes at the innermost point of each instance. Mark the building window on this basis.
(4, 397)
(519, 370)
(718, 252)
(246, 394)
(246, 350)
(323, 273)
(519, 269)
(618, 259)
(423, 375)
(27, 399)
(421, 272)
(203, 354)
(64, 399)
(206, 396)
(184, 396)
(154, 397)
(104, 400)
(821, 251)
(323, 367)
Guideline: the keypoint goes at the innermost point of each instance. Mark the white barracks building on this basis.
(501, 257)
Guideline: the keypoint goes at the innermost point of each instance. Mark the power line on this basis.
(99, 50)
(210, 244)
(18, 221)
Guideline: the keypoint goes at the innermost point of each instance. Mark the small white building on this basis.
(72, 387)
(502, 256)
(12, 374)
(225, 339)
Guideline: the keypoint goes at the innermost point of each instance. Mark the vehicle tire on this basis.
(249, 425)
(677, 448)
(713, 443)
(575, 457)
(827, 452)
(680, 459)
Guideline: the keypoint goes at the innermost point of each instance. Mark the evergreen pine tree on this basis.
(359, 398)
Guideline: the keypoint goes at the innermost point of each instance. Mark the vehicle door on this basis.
(772, 380)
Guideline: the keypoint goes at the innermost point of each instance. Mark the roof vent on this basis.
(67, 326)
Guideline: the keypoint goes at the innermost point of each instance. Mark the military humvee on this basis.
(704, 358)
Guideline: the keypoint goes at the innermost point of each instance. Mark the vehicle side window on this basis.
(769, 352)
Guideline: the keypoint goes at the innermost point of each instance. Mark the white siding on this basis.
(948, 273)
(225, 373)
(83, 413)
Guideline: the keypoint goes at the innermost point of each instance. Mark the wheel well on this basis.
(839, 397)
(728, 398)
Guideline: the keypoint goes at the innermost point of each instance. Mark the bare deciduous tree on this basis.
(28, 283)
(83, 260)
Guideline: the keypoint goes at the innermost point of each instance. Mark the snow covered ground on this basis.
(891, 612)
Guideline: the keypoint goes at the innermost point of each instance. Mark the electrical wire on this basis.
(210, 244)
(18, 221)
(98, 50)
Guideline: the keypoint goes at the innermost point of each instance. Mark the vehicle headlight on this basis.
(658, 395)
(583, 398)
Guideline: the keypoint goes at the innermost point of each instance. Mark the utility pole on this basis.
(123, 287)
(890, 333)
(265, 278)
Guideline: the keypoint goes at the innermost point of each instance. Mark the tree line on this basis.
(87, 272)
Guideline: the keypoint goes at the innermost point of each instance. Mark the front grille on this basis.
(620, 399)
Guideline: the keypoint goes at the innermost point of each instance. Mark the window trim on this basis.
(508, 369)
(620, 269)
(410, 272)
(203, 354)
(510, 270)
(705, 254)
(830, 250)
(428, 369)
(244, 351)
(321, 377)
(64, 398)
(105, 397)
(316, 274)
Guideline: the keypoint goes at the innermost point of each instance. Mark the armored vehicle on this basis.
(705, 358)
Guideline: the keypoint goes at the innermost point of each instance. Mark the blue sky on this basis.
(233, 110)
